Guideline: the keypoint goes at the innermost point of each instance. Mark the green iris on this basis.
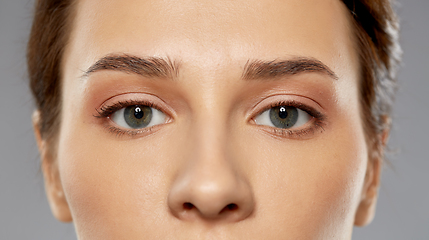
(138, 116)
(284, 116)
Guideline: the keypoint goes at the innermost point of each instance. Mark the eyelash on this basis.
(318, 119)
(106, 111)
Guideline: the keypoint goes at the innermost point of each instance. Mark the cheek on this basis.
(108, 182)
(312, 185)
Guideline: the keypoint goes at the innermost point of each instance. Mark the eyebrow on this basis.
(165, 68)
(257, 69)
(148, 67)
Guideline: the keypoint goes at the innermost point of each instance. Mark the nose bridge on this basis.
(210, 125)
(210, 185)
(210, 134)
(211, 165)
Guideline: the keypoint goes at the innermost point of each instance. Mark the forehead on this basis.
(212, 33)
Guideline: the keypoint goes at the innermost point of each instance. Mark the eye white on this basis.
(264, 118)
(158, 117)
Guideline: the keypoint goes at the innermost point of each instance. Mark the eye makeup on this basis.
(316, 123)
(107, 110)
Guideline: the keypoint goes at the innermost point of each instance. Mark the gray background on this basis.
(403, 206)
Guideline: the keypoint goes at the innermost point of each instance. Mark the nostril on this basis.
(230, 207)
(188, 205)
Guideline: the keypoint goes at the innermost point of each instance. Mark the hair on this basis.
(377, 36)
(375, 26)
(49, 36)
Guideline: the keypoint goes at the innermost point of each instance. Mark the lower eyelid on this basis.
(317, 126)
(120, 132)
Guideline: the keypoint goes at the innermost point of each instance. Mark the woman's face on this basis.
(211, 120)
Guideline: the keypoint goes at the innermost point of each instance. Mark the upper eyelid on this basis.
(286, 95)
(106, 110)
(284, 103)
(257, 110)
(261, 106)
(138, 99)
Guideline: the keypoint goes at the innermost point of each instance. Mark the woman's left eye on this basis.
(138, 116)
(283, 117)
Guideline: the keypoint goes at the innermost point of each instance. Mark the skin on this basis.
(210, 152)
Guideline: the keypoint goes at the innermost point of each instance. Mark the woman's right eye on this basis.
(138, 117)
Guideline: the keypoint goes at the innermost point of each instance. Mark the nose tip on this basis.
(221, 197)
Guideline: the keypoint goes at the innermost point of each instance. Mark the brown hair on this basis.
(377, 36)
(48, 39)
(375, 26)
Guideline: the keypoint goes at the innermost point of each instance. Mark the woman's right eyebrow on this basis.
(148, 67)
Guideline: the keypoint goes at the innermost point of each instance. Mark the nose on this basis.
(210, 187)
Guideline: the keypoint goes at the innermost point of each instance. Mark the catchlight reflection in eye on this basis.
(138, 116)
(283, 117)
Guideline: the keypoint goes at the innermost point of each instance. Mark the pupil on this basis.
(138, 116)
(283, 113)
(138, 113)
(284, 116)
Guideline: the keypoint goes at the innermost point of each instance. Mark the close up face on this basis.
(211, 120)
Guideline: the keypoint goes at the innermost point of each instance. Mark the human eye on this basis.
(132, 117)
(290, 119)
(283, 117)
(138, 116)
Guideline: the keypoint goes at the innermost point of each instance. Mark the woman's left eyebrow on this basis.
(148, 67)
(257, 69)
